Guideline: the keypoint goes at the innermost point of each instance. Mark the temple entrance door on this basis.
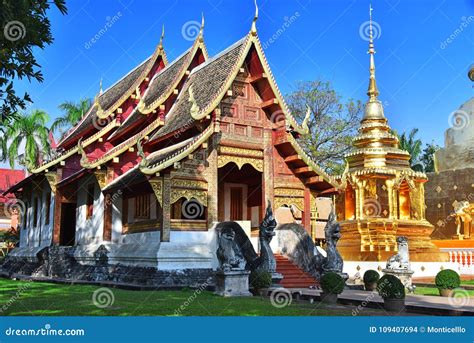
(67, 233)
(240, 195)
(236, 202)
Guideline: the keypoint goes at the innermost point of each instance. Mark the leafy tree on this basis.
(30, 130)
(427, 157)
(332, 125)
(24, 26)
(72, 112)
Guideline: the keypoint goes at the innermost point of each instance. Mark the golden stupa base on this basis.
(375, 240)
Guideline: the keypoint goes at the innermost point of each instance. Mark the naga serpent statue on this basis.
(332, 232)
(234, 246)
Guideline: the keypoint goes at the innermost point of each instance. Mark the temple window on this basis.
(90, 201)
(191, 209)
(47, 208)
(141, 213)
(25, 216)
(404, 201)
(142, 207)
(35, 212)
(349, 204)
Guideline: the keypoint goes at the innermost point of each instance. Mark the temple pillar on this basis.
(166, 203)
(57, 207)
(357, 200)
(389, 184)
(108, 206)
(268, 176)
(212, 182)
(307, 210)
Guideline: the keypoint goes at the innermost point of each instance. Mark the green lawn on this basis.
(434, 291)
(38, 298)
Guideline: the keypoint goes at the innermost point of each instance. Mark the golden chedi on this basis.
(381, 197)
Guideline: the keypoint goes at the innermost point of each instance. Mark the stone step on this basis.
(293, 276)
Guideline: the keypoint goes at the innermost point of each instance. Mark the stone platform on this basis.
(422, 304)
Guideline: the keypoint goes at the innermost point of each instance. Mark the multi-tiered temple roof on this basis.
(161, 112)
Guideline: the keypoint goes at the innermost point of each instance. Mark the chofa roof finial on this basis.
(201, 29)
(254, 22)
(162, 37)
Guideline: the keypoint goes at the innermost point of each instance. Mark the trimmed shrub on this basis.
(332, 283)
(447, 279)
(371, 276)
(390, 287)
(259, 279)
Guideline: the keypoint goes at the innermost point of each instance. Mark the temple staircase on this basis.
(293, 276)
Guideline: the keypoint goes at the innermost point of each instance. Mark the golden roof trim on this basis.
(159, 51)
(74, 150)
(122, 147)
(305, 157)
(180, 154)
(198, 44)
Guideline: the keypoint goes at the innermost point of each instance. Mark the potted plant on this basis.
(447, 280)
(259, 280)
(370, 279)
(332, 285)
(392, 291)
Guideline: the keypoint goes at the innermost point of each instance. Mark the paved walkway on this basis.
(462, 305)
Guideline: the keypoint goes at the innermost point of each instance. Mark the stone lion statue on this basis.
(402, 259)
(227, 253)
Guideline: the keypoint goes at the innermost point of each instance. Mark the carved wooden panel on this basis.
(240, 130)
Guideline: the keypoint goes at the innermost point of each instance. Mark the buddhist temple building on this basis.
(382, 197)
(165, 154)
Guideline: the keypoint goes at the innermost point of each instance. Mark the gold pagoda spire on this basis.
(373, 107)
(372, 92)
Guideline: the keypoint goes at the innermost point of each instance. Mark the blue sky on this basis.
(421, 75)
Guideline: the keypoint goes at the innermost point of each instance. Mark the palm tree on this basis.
(413, 146)
(72, 113)
(30, 130)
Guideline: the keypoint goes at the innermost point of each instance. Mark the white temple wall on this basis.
(89, 230)
(39, 233)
